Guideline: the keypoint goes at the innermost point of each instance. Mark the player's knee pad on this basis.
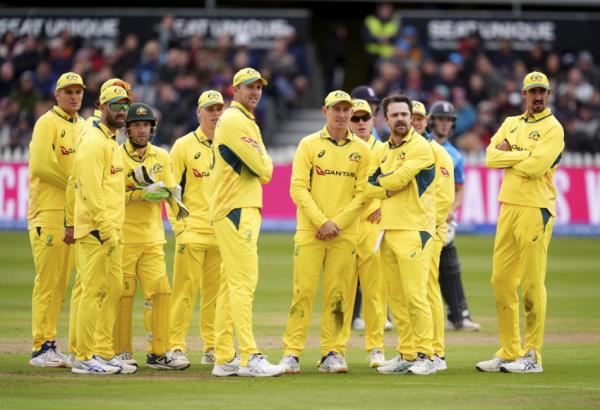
(449, 263)
(129, 286)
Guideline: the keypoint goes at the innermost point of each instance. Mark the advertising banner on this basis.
(577, 201)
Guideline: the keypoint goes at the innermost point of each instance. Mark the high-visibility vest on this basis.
(378, 28)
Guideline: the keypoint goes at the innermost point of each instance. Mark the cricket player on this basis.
(441, 119)
(99, 214)
(197, 262)
(143, 240)
(51, 158)
(405, 183)
(329, 173)
(69, 222)
(241, 165)
(444, 198)
(528, 147)
(368, 270)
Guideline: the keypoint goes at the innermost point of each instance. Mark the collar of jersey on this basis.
(58, 111)
(132, 152)
(105, 130)
(536, 117)
(407, 139)
(372, 141)
(97, 114)
(243, 109)
(325, 134)
(201, 136)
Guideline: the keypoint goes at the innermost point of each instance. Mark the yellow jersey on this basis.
(537, 143)
(99, 184)
(444, 185)
(241, 163)
(328, 180)
(192, 157)
(408, 169)
(143, 219)
(51, 157)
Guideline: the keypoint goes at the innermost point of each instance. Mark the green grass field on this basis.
(571, 356)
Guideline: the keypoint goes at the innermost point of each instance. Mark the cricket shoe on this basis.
(525, 364)
(397, 365)
(358, 324)
(118, 363)
(376, 358)
(208, 357)
(93, 366)
(333, 363)
(168, 361)
(492, 365)
(230, 368)
(127, 358)
(467, 325)
(291, 364)
(70, 361)
(46, 357)
(439, 363)
(423, 366)
(259, 366)
(178, 353)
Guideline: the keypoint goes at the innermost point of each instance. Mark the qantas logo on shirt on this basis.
(115, 170)
(334, 172)
(253, 143)
(444, 172)
(199, 174)
(66, 151)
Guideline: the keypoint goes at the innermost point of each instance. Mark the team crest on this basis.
(534, 135)
(157, 168)
(401, 155)
(141, 111)
(536, 77)
(49, 239)
(181, 248)
(321, 153)
(72, 77)
(354, 157)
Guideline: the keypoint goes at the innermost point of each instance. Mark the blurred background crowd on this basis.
(169, 74)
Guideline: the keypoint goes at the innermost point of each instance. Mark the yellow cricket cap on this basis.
(117, 82)
(68, 79)
(113, 94)
(361, 105)
(536, 79)
(210, 97)
(419, 108)
(337, 96)
(247, 76)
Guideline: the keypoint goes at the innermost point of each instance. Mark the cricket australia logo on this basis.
(401, 156)
(534, 135)
(157, 168)
(141, 111)
(536, 77)
(354, 157)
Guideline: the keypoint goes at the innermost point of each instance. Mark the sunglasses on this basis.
(116, 107)
(363, 118)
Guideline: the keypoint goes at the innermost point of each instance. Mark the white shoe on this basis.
(291, 364)
(358, 324)
(397, 365)
(333, 363)
(93, 366)
(388, 325)
(46, 358)
(118, 363)
(492, 365)
(423, 366)
(470, 325)
(208, 357)
(70, 361)
(178, 353)
(439, 363)
(168, 361)
(376, 358)
(127, 358)
(525, 364)
(230, 368)
(259, 366)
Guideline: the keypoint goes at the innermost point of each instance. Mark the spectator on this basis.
(26, 96)
(379, 34)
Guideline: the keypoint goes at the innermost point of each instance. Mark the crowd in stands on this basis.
(164, 71)
(483, 85)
